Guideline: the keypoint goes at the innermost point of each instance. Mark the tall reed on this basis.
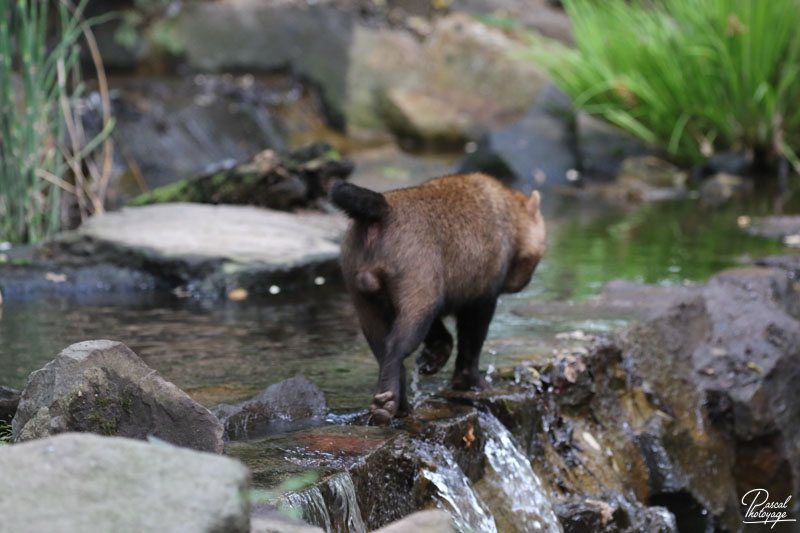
(43, 151)
(692, 76)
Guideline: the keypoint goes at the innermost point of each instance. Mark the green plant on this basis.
(6, 437)
(691, 76)
(43, 150)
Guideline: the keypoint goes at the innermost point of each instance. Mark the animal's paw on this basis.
(434, 357)
(383, 408)
(470, 382)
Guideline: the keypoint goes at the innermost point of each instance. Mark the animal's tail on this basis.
(359, 203)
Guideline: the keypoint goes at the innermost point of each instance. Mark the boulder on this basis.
(9, 399)
(300, 178)
(171, 129)
(103, 387)
(291, 400)
(469, 76)
(736, 344)
(74, 483)
(309, 39)
(538, 150)
(602, 147)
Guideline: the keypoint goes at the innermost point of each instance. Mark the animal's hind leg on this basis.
(406, 334)
(472, 325)
(437, 349)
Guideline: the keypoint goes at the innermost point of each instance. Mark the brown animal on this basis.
(413, 256)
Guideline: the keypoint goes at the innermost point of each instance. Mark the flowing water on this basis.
(343, 505)
(453, 491)
(311, 506)
(332, 505)
(522, 496)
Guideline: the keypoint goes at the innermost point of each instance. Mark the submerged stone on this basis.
(103, 387)
(283, 403)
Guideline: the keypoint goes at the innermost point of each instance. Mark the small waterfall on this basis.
(454, 493)
(340, 494)
(331, 505)
(311, 504)
(510, 476)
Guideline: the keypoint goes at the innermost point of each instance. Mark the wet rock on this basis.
(603, 147)
(615, 515)
(737, 342)
(285, 402)
(721, 187)
(785, 228)
(103, 387)
(789, 263)
(171, 129)
(421, 522)
(73, 276)
(212, 250)
(82, 482)
(9, 399)
(647, 299)
(731, 162)
(646, 178)
(537, 151)
(284, 182)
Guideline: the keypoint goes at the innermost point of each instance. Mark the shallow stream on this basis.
(225, 351)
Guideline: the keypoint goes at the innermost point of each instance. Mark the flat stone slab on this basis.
(215, 248)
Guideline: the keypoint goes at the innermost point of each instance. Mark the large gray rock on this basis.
(215, 249)
(477, 73)
(287, 401)
(311, 40)
(78, 483)
(103, 387)
(468, 77)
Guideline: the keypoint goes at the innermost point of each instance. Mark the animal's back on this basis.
(456, 230)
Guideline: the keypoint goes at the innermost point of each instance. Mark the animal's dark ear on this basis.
(532, 203)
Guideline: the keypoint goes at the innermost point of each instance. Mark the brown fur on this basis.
(449, 246)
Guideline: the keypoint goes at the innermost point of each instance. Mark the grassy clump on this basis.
(693, 77)
(43, 150)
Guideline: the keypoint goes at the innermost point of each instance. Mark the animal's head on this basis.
(531, 242)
